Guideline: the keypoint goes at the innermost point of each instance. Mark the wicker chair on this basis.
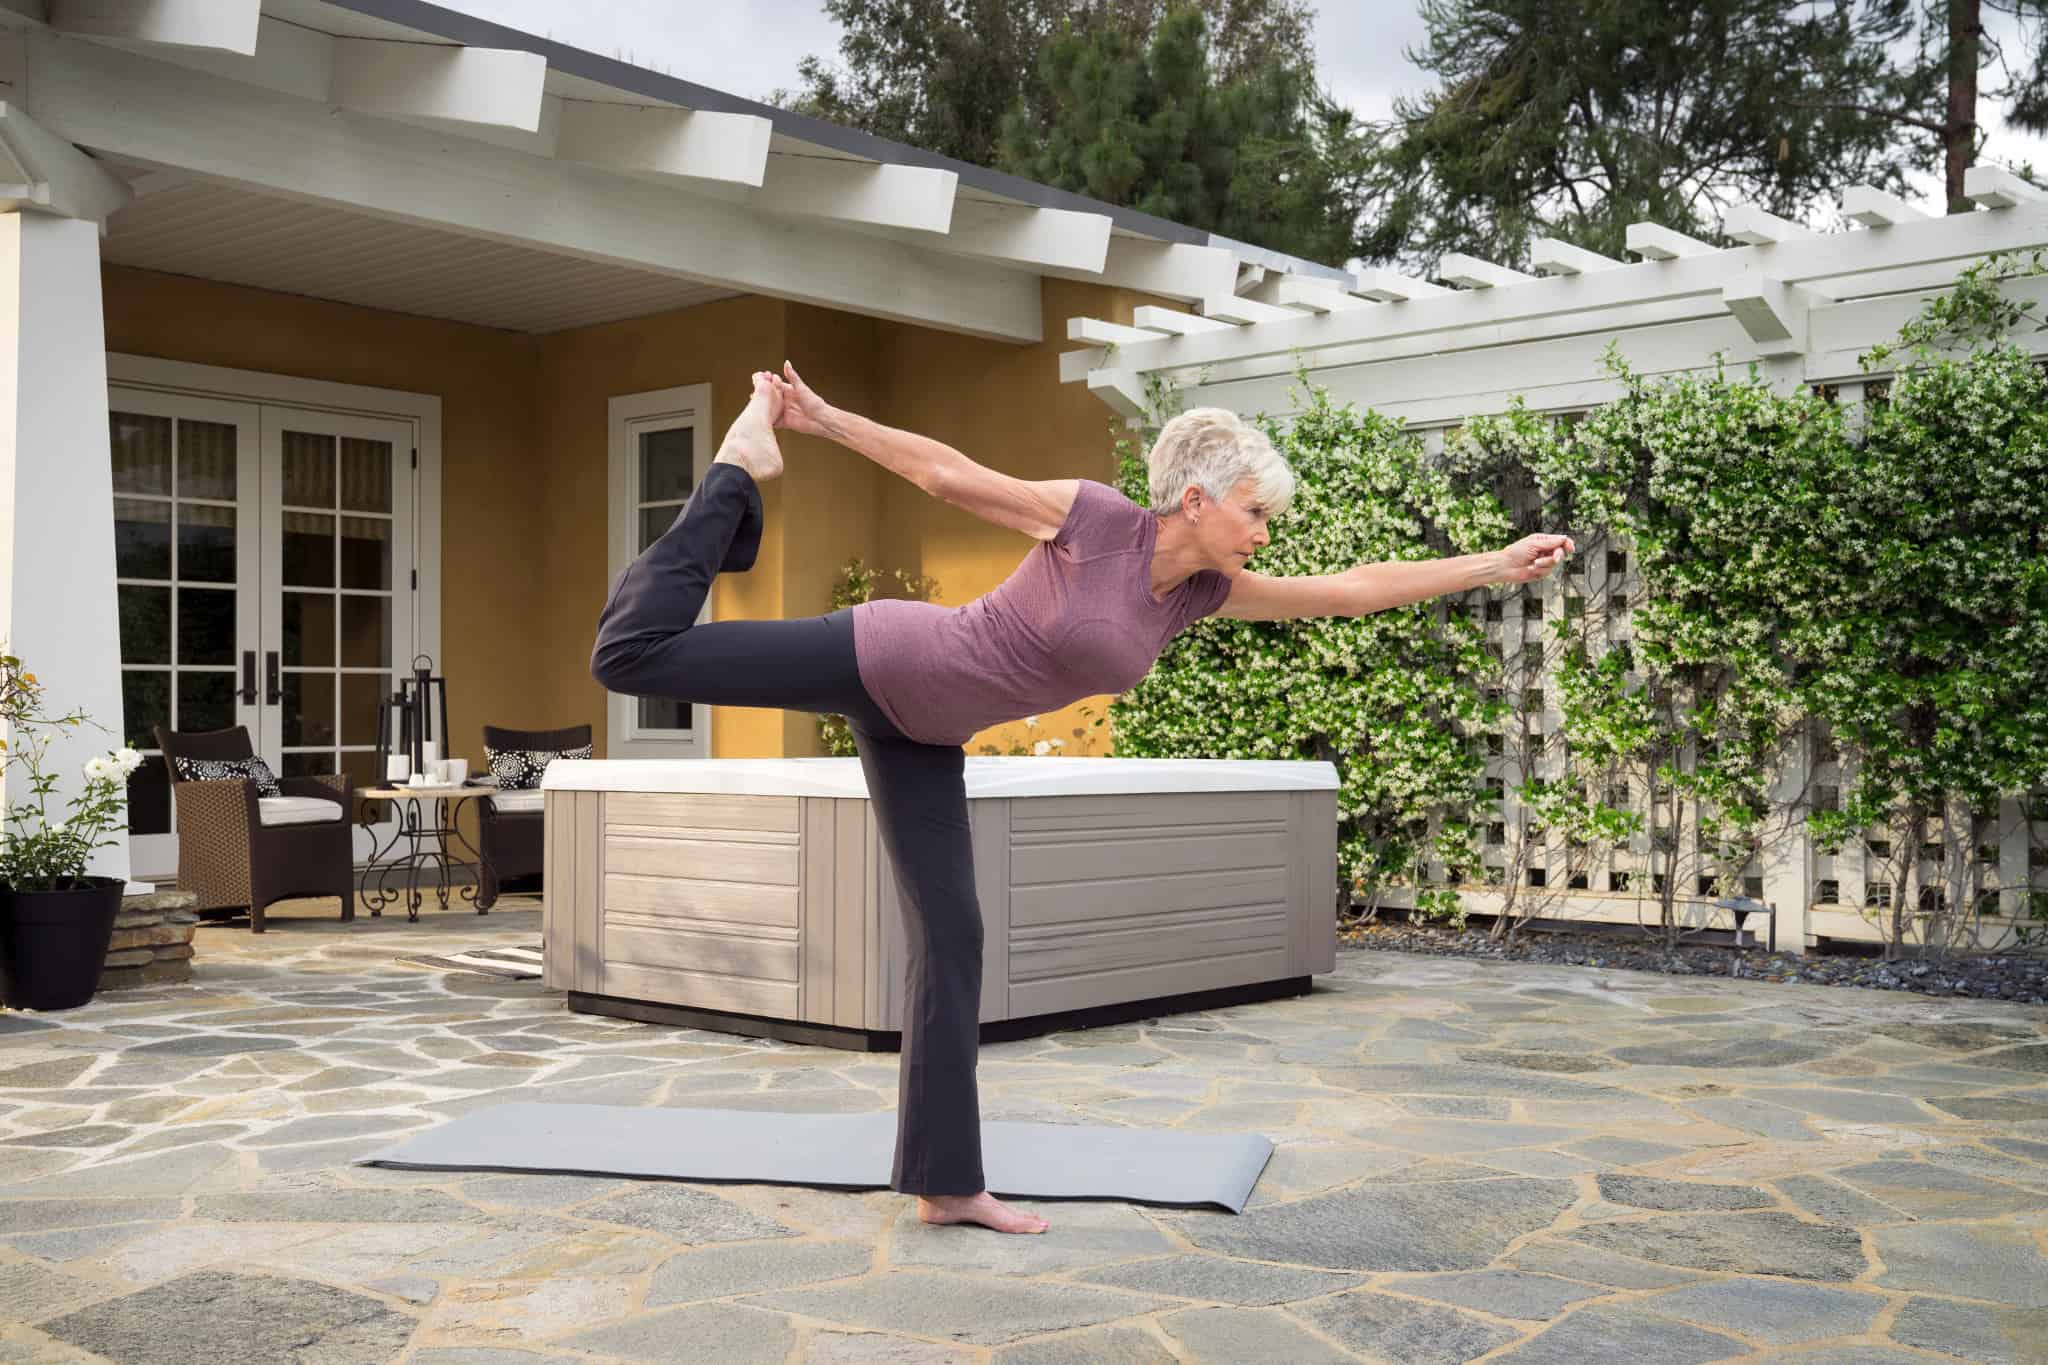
(513, 842)
(231, 858)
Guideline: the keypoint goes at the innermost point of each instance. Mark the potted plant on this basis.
(55, 921)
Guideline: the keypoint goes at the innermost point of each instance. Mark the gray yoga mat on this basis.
(851, 1151)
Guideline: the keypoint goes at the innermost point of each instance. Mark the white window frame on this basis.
(627, 416)
(421, 411)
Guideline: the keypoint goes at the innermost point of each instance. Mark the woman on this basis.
(1087, 613)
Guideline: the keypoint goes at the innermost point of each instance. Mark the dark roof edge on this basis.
(475, 32)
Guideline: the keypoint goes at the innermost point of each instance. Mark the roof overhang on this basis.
(417, 114)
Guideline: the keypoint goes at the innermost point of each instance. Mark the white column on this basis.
(57, 605)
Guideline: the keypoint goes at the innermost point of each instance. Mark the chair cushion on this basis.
(296, 810)
(521, 769)
(526, 800)
(230, 770)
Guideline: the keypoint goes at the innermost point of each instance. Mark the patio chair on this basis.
(237, 847)
(510, 823)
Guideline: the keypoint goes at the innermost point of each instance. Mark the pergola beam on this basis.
(1474, 273)
(1902, 247)
(1550, 256)
(1771, 312)
(1176, 323)
(1873, 207)
(1391, 286)
(1312, 296)
(1752, 226)
(220, 25)
(1655, 242)
(685, 144)
(1246, 312)
(1096, 332)
(1995, 187)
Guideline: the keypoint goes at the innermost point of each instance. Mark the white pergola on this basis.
(396, 154)
(1801, 305)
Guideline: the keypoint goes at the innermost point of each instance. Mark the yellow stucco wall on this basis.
(524, 462)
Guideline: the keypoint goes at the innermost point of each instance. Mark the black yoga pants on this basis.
(649, 644)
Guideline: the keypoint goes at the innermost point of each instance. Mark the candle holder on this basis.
(412, 717)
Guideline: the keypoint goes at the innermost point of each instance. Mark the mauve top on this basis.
(1077, 619)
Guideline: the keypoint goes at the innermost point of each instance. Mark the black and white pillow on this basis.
(519, 770)
(230, 770)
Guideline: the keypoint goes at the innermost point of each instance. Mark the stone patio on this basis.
(1476, 1161)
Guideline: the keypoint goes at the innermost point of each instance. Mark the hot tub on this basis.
(753, 895)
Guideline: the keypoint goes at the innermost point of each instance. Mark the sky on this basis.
(751, 48)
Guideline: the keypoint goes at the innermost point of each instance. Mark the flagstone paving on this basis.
(1475, 1161)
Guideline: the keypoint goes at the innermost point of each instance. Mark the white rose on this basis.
(128, 758)
(1042, 748)
(97, 768)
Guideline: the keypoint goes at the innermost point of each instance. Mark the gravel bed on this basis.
(2016, 977)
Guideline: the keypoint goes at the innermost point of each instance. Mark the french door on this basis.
(264, 562)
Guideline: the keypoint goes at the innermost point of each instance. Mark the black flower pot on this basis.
(53, 944)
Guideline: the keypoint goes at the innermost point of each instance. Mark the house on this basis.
(343, 332)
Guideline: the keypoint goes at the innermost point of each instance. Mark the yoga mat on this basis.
(849, 1151)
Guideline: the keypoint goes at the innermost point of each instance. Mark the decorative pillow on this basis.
(519, 770)
(230, 770)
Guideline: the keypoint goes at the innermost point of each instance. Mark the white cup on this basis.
(458, 770)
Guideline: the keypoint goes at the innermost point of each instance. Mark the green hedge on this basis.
(1871, 581)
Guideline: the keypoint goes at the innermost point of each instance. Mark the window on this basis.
(1577, 882)
(1537, 876)
(1496, 834)
(1877, 896)
(1827, 798)
(1532, 608)
(1617, 881)
(1830, 892)
(1657, 883)
(1494, 609)
(1617, 563)
(1753, 887)
(660, 445)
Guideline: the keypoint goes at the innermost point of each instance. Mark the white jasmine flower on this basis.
(1042, 748)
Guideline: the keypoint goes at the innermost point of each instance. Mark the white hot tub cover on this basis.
(986, 777)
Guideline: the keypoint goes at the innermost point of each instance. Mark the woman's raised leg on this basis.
(649, 641)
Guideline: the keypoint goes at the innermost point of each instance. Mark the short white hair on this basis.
(1215, 450)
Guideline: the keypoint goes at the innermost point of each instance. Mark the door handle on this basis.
(270, 678)
(248, 688)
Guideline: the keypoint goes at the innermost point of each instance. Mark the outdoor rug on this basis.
(516, 964)
(840, 1151)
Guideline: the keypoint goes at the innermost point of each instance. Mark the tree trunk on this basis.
(1965, 37)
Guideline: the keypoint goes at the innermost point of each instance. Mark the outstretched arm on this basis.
(1038, 507)
(1396, 583)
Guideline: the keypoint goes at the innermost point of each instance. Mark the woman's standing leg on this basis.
(920, 797)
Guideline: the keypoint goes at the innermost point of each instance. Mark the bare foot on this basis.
(750, 441)
(981, 1208)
